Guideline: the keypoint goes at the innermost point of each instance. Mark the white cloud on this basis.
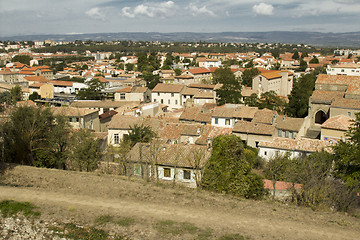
(263, 9)
(162, 9)
(195, 11)
(96, 14)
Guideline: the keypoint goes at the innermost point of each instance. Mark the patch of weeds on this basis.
(232, 237)
(71, 209)
(72, 231)
(125, 221)
(11, 208)
(204, 234)
(103, 219)
(176, 228)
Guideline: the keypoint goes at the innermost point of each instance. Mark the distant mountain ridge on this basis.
(349, 39)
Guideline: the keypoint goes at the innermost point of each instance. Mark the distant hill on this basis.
(350, 39)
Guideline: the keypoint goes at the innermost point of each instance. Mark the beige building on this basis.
(80, 117)
(45, 90)
(168, 94)
(133, 93)
(280, 82)
(9, 77)
(252, 133)
(334, 128)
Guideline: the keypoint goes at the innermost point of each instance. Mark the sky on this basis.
(27, 17)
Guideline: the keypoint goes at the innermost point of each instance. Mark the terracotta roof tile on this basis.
(303, 144)
(346, 103)
(288, 123)
(339, 122)
(265, 116)
(168, 88)
(253, 128)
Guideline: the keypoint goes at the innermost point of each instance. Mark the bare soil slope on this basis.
(81, 197)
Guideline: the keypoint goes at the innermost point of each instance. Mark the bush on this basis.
(229, 169)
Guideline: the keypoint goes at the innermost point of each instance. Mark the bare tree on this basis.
(196, 159)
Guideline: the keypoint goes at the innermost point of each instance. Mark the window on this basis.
(154, 100)
(167, 172)
(122, 96)
(292, 135)
(227, 121)
(116, 138)
(158, 94)
(137, 169)
(176, 102)
(265, 153)
(349, 114)
(169, 101)
(172, 94)
(287, 134)
(187, 174)
(162, 101)
(256, 144)
(279, 133)
(216, 121)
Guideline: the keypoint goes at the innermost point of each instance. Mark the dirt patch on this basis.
(82, 197)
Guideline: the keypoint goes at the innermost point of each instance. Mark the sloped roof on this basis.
(190, 91)
(171, 131)
(236, 112)
(199, 85)
(104, 104)
(346, 103)
(107, 114)
(326, 95)
(289, 123)
(72, 111)
(190, 113)
(340, 122)
(204, 95)
(253, 128)
(336, 79)
(125, 122)
(178, 155)
(36, 78)
(62, 83)
(271, 74)
(168, 88)
(303, 144)
(265, 116)
(198, 71)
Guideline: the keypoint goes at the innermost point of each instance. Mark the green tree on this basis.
(303, 66)
(84, 151)
(252, 101)
(25, 59)
(295, 56)
(34, 96)
(26, 134)
(276, 169)
(271, 101)
(129, 67)
(139, 133)
(319, 187)
(248, 75)
(347, 156)
(177, 71)
(304, 54)
(16, 94)
(230, 92)
(314, 60)
(5, 100)
(92, 92)
(299, 98)
(229, 169)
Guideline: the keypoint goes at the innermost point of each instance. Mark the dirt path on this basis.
(256, 220)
